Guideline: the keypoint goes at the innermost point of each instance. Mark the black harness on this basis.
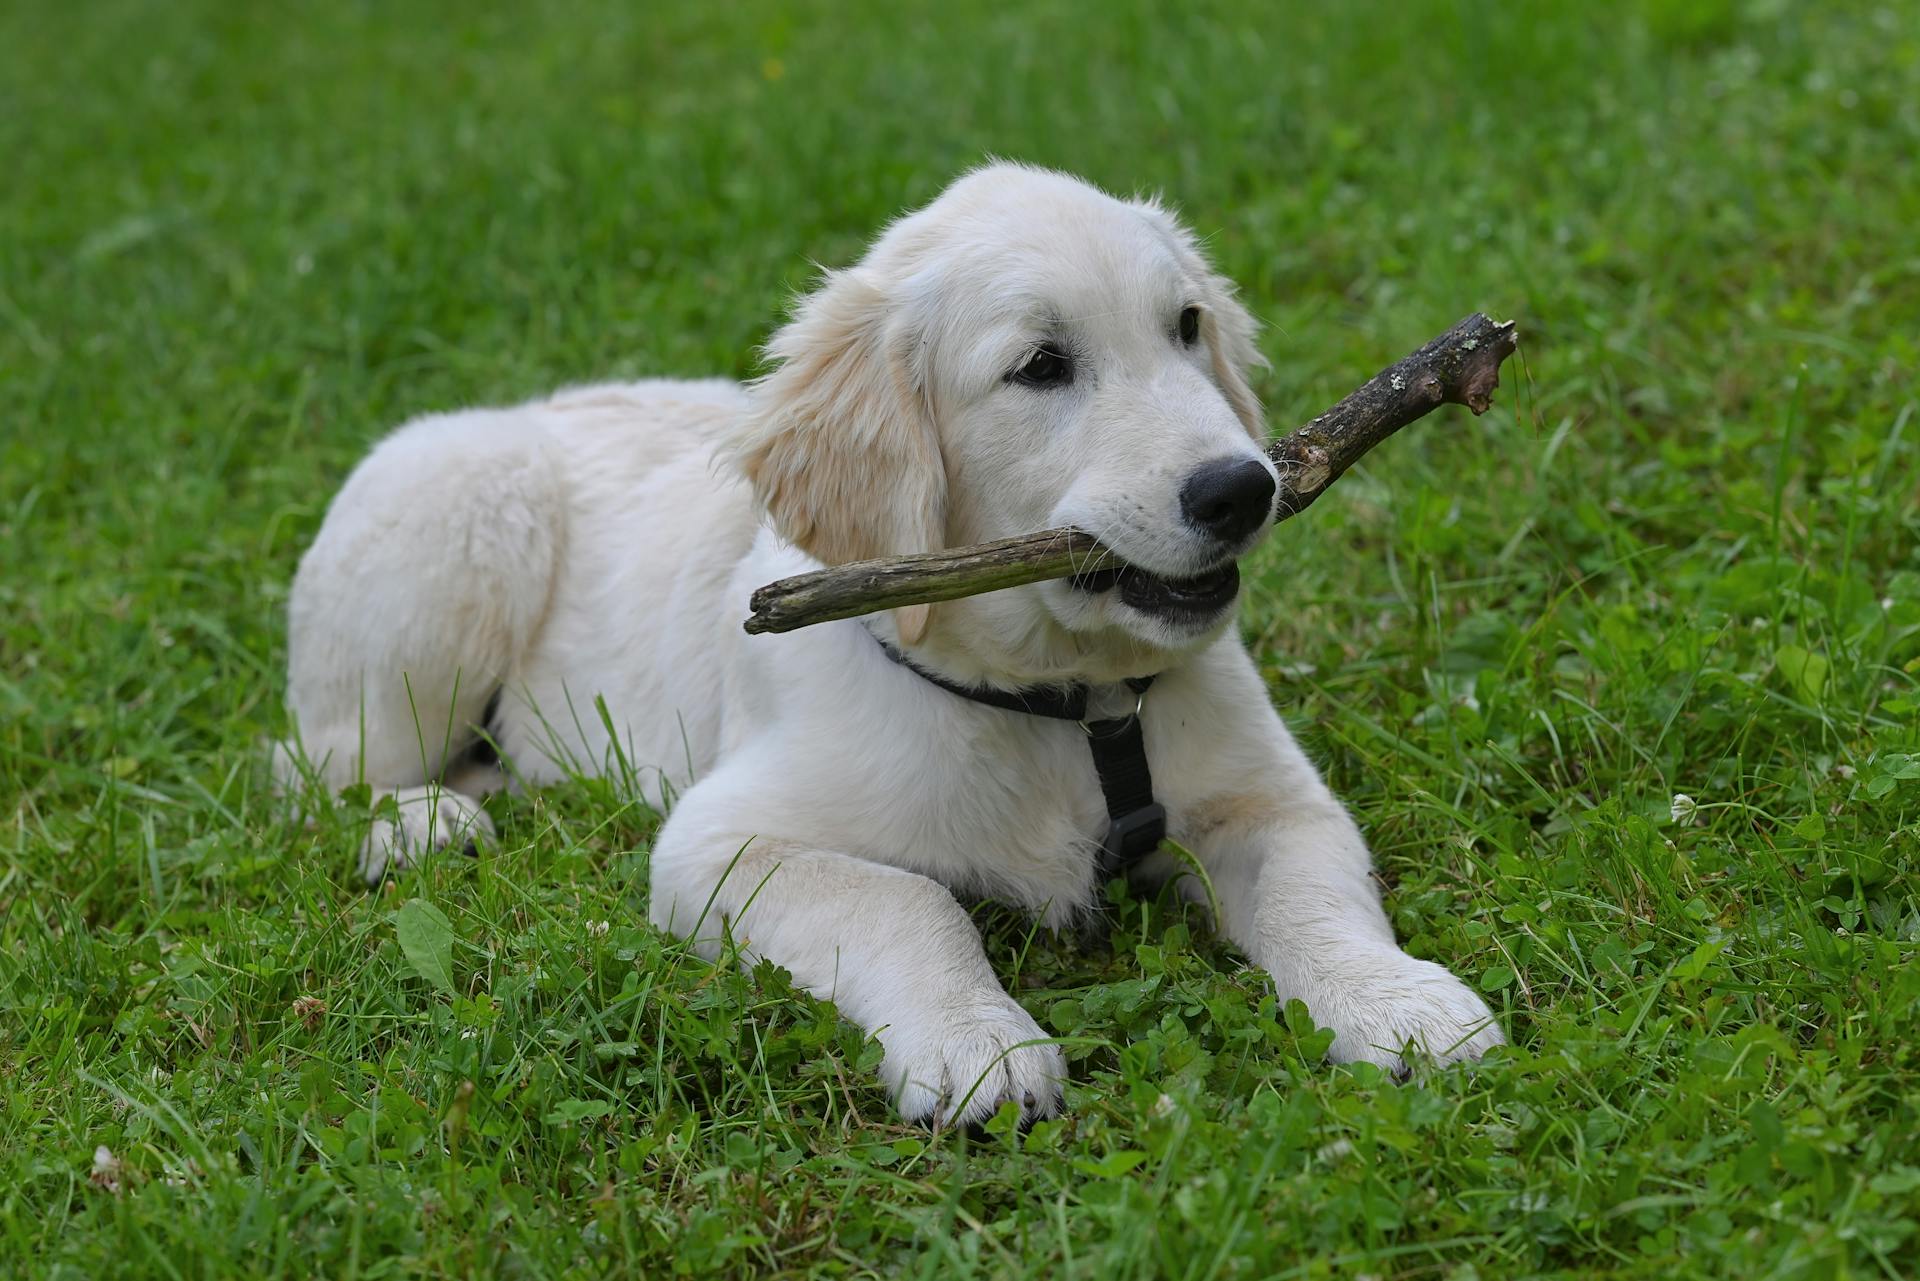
(1136, 823)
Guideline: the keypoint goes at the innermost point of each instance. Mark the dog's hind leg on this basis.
(429, 578)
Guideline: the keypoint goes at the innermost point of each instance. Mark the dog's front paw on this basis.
(425, 820)
(957, 1063)
(1386, 1007)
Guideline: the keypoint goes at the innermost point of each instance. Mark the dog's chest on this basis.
(1013, 811)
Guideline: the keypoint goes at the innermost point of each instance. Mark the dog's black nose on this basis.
(1228, 497)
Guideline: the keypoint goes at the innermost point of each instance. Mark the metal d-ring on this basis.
(1139, 701)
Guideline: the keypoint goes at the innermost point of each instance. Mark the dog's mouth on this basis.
(1173, 599)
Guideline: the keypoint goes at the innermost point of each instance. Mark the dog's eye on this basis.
(1190, 325)
(1046, 367)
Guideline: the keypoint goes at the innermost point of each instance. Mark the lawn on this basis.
(1622, 680)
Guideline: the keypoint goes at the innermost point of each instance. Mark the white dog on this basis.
(569, 578)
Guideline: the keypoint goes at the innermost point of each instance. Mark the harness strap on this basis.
(1057, 702)
(1136, 822)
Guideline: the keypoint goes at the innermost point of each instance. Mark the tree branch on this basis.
(1460, 367)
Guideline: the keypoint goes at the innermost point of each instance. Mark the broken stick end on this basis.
(1483, 378)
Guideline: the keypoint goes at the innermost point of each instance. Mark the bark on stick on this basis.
(1460, 367)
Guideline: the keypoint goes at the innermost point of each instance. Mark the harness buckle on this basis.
(1132, 837)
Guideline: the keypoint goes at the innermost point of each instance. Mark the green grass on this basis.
(1682, 557)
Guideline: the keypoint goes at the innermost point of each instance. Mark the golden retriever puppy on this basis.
(568, 577)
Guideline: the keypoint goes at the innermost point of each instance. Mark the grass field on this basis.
(1622, 680)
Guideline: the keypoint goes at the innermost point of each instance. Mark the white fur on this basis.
(596, 550)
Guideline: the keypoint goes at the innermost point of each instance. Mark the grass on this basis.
(1623, 680)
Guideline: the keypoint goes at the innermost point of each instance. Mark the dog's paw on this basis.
(1393, 1010)
(956, 1065)
(424, 821)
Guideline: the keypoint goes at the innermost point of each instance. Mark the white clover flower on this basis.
(107, 1170)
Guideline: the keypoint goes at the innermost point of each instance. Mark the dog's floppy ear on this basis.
(1227, 326)
(837, 441)
(1229, 329)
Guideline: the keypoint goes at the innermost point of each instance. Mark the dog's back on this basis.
(418, 619)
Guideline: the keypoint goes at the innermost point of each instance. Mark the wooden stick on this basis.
(1460, 367)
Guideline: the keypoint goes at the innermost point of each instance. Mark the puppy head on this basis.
(1026, 352)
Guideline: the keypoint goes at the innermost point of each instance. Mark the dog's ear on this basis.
(837, 441)
(1227, 326)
